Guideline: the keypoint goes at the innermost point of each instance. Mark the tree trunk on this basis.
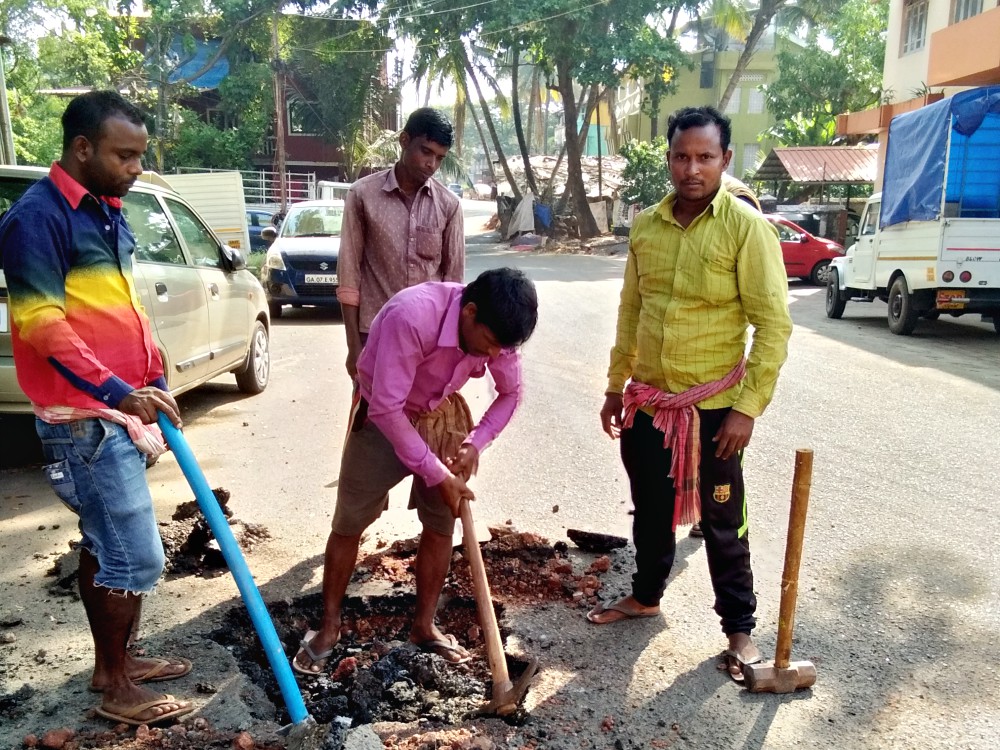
(574, 172)
(761, 21)
(490, 126)
(482, 135)
(515, 108)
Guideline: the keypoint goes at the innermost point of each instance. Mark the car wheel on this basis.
(820, 273)
(903, 315)
(274, 308)
(835, 303)
(253, 376)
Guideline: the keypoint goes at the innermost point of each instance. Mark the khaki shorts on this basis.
(368, 470)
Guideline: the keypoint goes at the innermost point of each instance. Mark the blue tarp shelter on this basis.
(944, 157)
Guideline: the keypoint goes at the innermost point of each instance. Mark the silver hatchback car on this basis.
(208, 312)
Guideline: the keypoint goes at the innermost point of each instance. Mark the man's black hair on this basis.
(698, 117)
(86, 114)
(431, 123)
(506, 303)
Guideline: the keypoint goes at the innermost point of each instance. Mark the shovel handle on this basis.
(217, 522)
(484, 604)
(801, 484)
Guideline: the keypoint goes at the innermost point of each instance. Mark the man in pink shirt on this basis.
(425, 344)
(401, 227)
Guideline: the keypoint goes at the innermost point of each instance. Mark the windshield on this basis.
(313, 221)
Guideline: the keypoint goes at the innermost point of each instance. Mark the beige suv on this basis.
(208, 311)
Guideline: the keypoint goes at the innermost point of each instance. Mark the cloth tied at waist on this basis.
(147, 437)
(677, 418)
(445, 428)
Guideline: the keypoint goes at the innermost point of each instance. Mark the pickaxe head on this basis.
(765, 677)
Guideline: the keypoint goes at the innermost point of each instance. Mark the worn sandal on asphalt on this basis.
(132, 715)
(732, 660)
(601, 615)
(305, 647)
(157, 672)
(447, 648)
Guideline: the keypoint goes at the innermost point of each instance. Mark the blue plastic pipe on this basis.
(259, 615)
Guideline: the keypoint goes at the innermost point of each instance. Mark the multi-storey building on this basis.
(934, 48)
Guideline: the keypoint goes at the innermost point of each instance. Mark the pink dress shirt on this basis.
(413, 361)
(386, 246)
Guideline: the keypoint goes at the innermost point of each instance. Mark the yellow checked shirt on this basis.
(688, 297)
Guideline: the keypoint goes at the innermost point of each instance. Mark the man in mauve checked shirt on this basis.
(401, 227)
(702, 267)
(425, 344)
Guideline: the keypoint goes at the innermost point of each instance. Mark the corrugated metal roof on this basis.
(820, 164)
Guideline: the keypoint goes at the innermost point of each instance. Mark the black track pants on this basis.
(723, 519)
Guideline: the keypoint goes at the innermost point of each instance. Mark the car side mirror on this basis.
(803, 238)
(232, 260)
(269, 234)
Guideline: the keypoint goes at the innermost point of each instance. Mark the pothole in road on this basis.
(375, 675)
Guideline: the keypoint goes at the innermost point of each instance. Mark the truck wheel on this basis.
(903, 315)
(835, 303)
(255, 373)
(820, 273)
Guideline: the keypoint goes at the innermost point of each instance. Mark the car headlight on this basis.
(275, 261)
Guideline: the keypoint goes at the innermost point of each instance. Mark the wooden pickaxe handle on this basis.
(793, 556)
(484, 605)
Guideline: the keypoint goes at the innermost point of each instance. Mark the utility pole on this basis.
(279, 114)
(7, 154)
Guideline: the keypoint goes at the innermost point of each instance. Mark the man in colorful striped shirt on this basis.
(85, 356)
(702, 267)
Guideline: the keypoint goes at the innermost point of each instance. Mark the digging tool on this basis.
(505, 695)
(303, 733)
(782, 675)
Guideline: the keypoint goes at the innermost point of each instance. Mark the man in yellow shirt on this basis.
(682, 394)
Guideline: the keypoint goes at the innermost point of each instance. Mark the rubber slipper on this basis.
(155, 672)
(305, 647)
(732, 659)
(131, 715)
(601, 615)
(447, 648)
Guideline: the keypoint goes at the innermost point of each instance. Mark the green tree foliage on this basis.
(645, 179)
(815, 85)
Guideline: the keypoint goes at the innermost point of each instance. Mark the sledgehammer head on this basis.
(765, 677)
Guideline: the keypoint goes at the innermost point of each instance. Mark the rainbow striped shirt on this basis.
(79, 334)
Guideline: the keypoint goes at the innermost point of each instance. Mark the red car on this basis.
(805, 256)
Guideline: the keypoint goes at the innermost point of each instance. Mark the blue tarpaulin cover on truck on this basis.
(915, 184)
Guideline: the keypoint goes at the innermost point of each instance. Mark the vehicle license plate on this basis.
(4, 325)
(951, 299)
(321, 278)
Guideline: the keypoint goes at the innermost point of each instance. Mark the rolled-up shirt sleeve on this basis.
(453, 248)
(352, 243)
(506, 372)
(400, 352)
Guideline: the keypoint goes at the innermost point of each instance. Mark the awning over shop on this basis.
(820, 165)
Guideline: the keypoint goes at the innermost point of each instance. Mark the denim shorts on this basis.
(100, 475)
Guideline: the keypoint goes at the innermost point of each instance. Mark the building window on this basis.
(755, 102)
(914, 25)
(303, 119)
(751, 155)
(962, 9)
(733, 105)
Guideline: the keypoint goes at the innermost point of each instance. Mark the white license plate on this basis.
(321, 278)
(4, 325)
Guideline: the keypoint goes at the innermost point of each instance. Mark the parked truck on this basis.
(929, 242)
(219, 198)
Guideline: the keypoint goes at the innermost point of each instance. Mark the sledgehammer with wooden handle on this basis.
(506, 695)
(782, 675)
